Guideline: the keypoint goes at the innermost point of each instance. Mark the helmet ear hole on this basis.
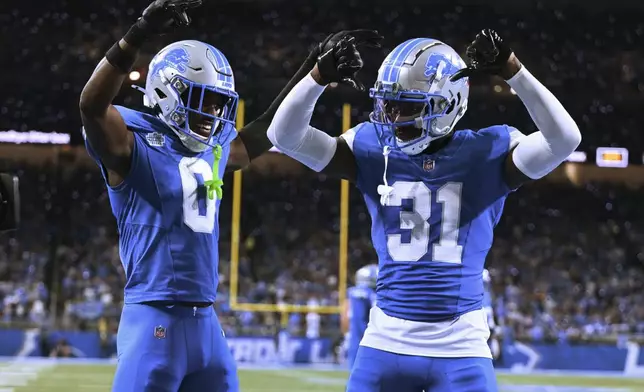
(160, 93)
(452, 105)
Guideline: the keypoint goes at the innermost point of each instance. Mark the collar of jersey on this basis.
(450, 149)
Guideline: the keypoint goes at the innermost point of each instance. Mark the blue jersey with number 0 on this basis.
(436, 228)
(168, 227)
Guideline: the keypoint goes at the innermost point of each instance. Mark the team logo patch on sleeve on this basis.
(159, 332)
(155, 139)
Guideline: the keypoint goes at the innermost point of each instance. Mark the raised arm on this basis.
(252, 140)
(541, 152)
(291, 133)
(104, 127)
(290, 130)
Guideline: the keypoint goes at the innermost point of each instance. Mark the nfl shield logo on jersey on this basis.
(159, 332)
(428, 164)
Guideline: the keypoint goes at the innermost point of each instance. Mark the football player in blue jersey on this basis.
(360, 299)
(488, 308)
(434, 195)
(163, 170)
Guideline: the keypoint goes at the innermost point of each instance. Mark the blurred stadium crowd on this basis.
(567, 261)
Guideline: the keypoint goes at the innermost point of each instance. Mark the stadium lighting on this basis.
(135, 75)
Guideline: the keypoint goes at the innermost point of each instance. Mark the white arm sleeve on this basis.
(541, 152)
(291, 133)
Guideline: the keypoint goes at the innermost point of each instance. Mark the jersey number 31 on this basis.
(446, 249)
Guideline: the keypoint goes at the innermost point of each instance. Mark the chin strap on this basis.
(385, 190)
(215, 185)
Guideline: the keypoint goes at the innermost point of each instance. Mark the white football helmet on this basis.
(367, 275)
(191, 81)
(415, 102)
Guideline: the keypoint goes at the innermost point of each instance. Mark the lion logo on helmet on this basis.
(177, 59)
(441, 65)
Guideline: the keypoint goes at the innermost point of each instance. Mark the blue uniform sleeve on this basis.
(500, 139)
(92, 153)
(131, 121)
(361, 142)
(140, 122)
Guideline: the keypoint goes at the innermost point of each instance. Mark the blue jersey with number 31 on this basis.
(436, 228)
(168, 227)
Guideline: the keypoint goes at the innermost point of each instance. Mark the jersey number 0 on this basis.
(198, 209)
(446, 249)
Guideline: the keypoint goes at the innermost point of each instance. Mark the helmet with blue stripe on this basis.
(415, 102)
(192, 87)
(367, 276)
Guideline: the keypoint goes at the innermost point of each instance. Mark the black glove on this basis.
(162, 14)
(368, 38)
(340, 60)
(158, 17)
(487, 54)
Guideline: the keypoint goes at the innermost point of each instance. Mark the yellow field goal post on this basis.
(235, 242)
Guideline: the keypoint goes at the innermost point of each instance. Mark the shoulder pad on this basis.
(141, 122)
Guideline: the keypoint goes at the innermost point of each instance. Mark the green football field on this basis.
(32, 377)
